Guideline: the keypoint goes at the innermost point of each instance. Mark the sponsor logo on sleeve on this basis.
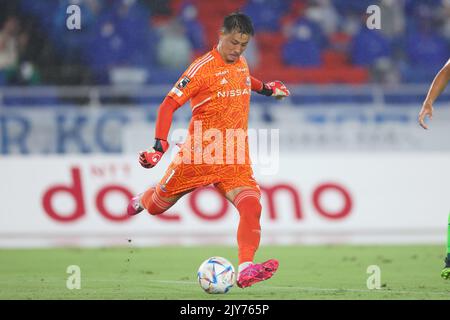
(183, 83)
(176, 91)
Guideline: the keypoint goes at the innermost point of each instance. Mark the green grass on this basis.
(306, 272)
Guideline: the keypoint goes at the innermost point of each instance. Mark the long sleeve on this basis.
(164, 118)
(257, 85)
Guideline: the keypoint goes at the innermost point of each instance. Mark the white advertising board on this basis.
(311, 199)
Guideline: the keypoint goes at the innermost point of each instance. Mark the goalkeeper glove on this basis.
(275, 89)
(149, 158)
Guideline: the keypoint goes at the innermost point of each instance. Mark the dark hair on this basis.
(239, 22)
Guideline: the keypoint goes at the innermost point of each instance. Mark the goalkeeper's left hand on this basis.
(279, 90)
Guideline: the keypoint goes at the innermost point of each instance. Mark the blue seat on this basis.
(193, 28)
(427, 50)
(3, 79)
(266, 14)
(355, 7)
(301, 53)
(368, 46)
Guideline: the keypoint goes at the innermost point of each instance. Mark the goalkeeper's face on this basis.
(232, 45)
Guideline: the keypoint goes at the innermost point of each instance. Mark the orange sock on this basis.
(151, 201)
(249, 230)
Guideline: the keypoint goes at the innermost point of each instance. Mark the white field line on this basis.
(295, 288)
(311, 289)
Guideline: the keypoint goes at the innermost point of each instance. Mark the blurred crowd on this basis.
(152, 41)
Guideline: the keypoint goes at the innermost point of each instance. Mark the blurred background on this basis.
(151, 41)
(349, 163)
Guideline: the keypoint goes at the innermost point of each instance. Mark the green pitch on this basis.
(306, 272)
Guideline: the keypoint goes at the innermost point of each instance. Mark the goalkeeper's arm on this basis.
(149, 158)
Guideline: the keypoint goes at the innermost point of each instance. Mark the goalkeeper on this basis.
(219, 86)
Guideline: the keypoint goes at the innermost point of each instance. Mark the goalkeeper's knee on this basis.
(154, 203)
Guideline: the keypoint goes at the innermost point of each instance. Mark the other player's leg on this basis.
(445, 273)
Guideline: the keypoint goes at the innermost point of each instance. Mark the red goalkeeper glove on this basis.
(279, 90)
(149, 158)
(275, 89)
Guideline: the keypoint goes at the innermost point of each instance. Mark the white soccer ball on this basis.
(216, 275)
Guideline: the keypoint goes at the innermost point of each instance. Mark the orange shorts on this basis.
(182, 178)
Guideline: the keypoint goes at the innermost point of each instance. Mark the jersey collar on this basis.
(219, 58)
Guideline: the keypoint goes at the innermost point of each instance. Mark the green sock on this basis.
(447, 261)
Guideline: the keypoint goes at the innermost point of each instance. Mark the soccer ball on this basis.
(216, 275)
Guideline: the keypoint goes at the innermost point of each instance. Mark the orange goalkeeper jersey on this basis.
(220, 100)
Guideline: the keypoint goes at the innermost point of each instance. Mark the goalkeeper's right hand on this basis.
(149, 158)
